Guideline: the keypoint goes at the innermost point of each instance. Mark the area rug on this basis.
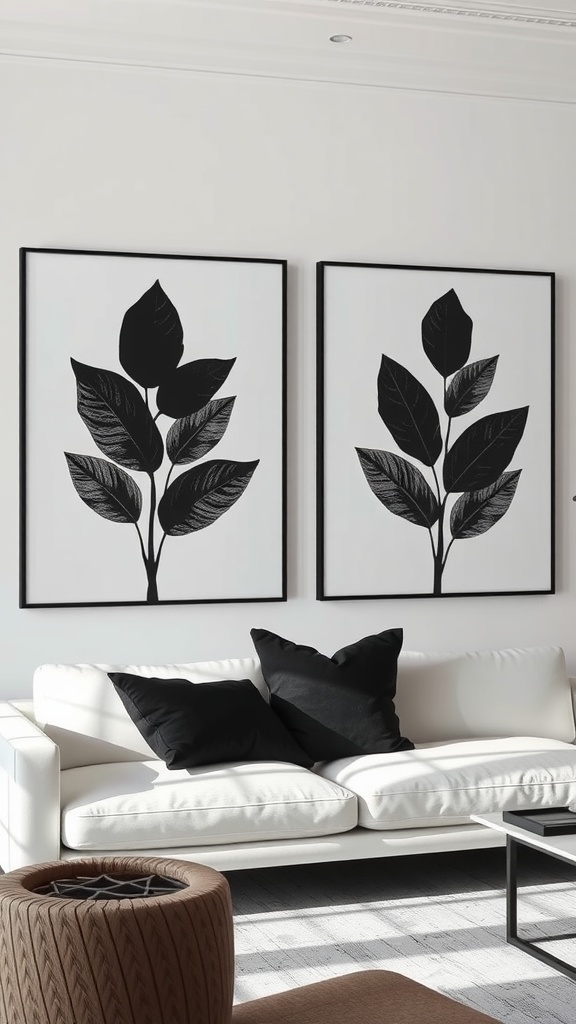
(438, 919)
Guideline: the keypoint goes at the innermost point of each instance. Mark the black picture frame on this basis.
(104, 336)
(385, 371)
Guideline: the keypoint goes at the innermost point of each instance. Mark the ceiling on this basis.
(489, 47)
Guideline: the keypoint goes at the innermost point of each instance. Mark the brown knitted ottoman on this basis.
(160, 959)
(365, 997)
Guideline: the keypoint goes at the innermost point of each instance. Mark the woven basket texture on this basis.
(165, 959)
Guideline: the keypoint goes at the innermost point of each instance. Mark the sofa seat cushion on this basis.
(444, 783)
(134, 805)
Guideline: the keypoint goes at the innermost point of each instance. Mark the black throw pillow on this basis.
(189, 724)
(339, 706)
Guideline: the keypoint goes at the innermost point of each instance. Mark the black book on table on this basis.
(544, 821)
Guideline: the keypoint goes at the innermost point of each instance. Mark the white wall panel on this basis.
(107, 157)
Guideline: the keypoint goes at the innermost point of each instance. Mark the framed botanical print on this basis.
(153, 410)
(435, 431)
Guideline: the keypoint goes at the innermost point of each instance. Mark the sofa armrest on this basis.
(25, 705)
(29, 792)
(572, 681)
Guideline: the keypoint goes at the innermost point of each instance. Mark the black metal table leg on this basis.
(529, 946)
(511, 889)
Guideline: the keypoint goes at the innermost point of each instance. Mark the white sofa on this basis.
(493, 730)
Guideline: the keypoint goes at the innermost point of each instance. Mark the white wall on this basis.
(128, 159)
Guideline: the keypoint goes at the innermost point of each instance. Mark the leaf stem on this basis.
(142, 548)
(447, 550)
(151, 563)
(446, 440)
(160, 546)
(447, 436)
(437, 482)
(170, 471)
(164, 535)
(151, 517)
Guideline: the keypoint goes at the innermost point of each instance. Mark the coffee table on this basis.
(562, 848)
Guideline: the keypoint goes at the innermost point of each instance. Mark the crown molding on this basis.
(486, 49)
(546, 12)
(543, 14)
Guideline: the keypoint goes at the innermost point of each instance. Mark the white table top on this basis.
(562, 846)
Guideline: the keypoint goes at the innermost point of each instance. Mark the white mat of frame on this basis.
(438, 919)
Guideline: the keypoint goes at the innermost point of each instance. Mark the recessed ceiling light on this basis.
(341, 39)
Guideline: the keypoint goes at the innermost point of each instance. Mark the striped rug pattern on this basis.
(437, 919)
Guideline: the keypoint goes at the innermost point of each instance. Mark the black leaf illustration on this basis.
(107, 490)
(151, 338)
(475, 463)
(188, 388)
(201, 495)
(469, 386)
(447, 334)
(409, 412)
(482, 452)
(192, 437)
(122, 426)
(400, 486)
(118, 418)
(475, 512)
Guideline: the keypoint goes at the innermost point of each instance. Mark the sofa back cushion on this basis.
(78, 707)
(515, 692)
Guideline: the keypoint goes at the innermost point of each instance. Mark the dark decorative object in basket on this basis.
(110, 887)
